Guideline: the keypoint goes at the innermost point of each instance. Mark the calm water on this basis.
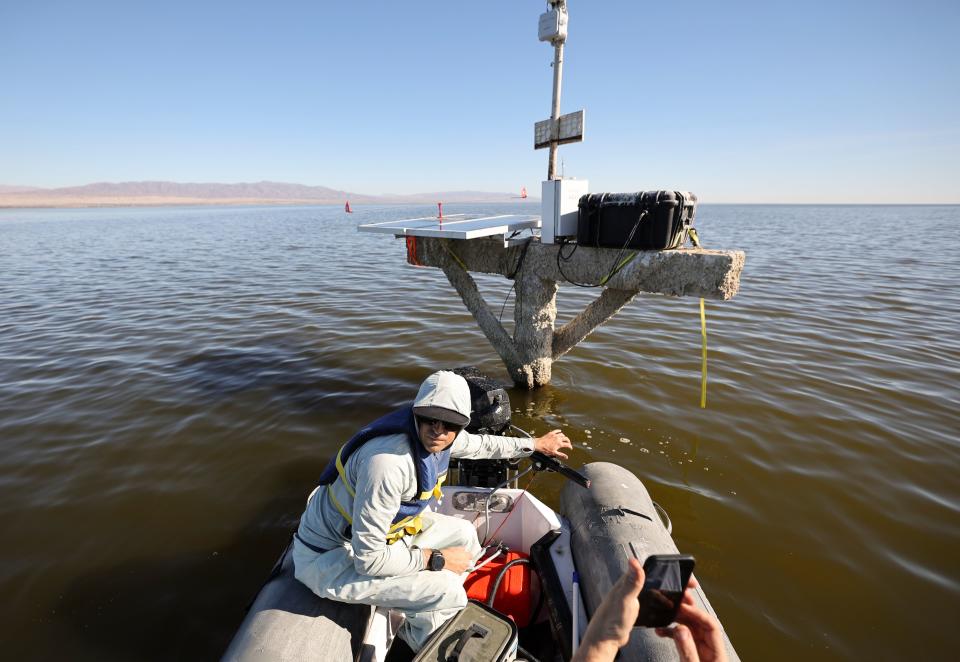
(172, 380)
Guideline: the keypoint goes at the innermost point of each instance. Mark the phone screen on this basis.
(666, 580)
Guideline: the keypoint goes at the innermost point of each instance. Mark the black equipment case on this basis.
(477, 634)
(648, 220)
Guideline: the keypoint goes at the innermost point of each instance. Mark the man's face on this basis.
(436, 435)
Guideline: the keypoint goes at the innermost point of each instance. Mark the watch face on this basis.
(437, 561)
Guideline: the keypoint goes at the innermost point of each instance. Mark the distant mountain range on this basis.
(107, 194)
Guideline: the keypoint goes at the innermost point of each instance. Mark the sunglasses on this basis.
(431, 422)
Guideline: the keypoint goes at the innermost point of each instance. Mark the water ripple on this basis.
(173, 380)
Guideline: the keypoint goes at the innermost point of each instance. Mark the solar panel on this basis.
(569, 129)
(456, 226)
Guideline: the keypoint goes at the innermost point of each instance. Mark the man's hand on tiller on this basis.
(552, 442)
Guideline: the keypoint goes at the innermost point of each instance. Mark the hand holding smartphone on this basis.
(663, 588)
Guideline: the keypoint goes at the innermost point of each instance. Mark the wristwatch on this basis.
(436, 560)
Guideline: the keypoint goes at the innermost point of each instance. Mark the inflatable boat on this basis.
(542, 576)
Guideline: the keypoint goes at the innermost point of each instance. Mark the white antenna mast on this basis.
(558, 129)
(559, 196)
(560, 10)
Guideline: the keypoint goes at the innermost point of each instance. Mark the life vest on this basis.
(431, 471)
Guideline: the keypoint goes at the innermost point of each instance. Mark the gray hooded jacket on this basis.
(383, 474)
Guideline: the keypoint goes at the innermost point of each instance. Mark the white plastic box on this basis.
(560, 211)
(553, 25)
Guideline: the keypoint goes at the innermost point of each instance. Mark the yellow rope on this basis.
(694, 237)
(624, 262)
(454, 256)
(703, 378)
(695, 240)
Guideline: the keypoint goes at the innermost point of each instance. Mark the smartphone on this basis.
(666, 580)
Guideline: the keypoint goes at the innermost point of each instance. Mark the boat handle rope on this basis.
(695, 240)
(664, 517)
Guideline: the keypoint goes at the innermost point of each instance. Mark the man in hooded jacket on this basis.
(367, 535)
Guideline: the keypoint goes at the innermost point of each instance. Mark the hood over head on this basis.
(444, 396)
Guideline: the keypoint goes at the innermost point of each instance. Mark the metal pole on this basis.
(555, 114)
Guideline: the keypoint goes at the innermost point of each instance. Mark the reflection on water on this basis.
(173, 380)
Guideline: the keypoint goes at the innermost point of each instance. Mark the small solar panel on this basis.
(455, 226)
(569, 129)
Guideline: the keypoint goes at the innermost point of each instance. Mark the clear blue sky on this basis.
(739, 102)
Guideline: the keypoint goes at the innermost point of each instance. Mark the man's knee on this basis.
(467, 535)
(455, 596)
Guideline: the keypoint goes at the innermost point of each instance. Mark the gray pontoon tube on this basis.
(605, 520)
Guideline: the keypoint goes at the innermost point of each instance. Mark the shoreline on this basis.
(116, 203)
(26, 202)
(9, 202)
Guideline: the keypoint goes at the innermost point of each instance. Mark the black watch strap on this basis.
(436, 560)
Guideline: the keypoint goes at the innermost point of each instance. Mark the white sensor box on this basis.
(560, 208)
(552, 25)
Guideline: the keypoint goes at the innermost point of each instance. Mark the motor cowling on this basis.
(490, 403)
(490, 414)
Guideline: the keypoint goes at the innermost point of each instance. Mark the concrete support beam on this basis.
(534, 312)
(685, 272)
(535, 345)
(478, 307)
(596, 313)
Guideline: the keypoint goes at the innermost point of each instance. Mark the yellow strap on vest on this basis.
(343, 474)
(336, 503)
(408, 526)
(436, 491)
(405, 527)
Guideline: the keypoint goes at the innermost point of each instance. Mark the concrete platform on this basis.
(538, 274)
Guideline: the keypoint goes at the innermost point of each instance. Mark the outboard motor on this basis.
(489, 402)
(490, 414)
